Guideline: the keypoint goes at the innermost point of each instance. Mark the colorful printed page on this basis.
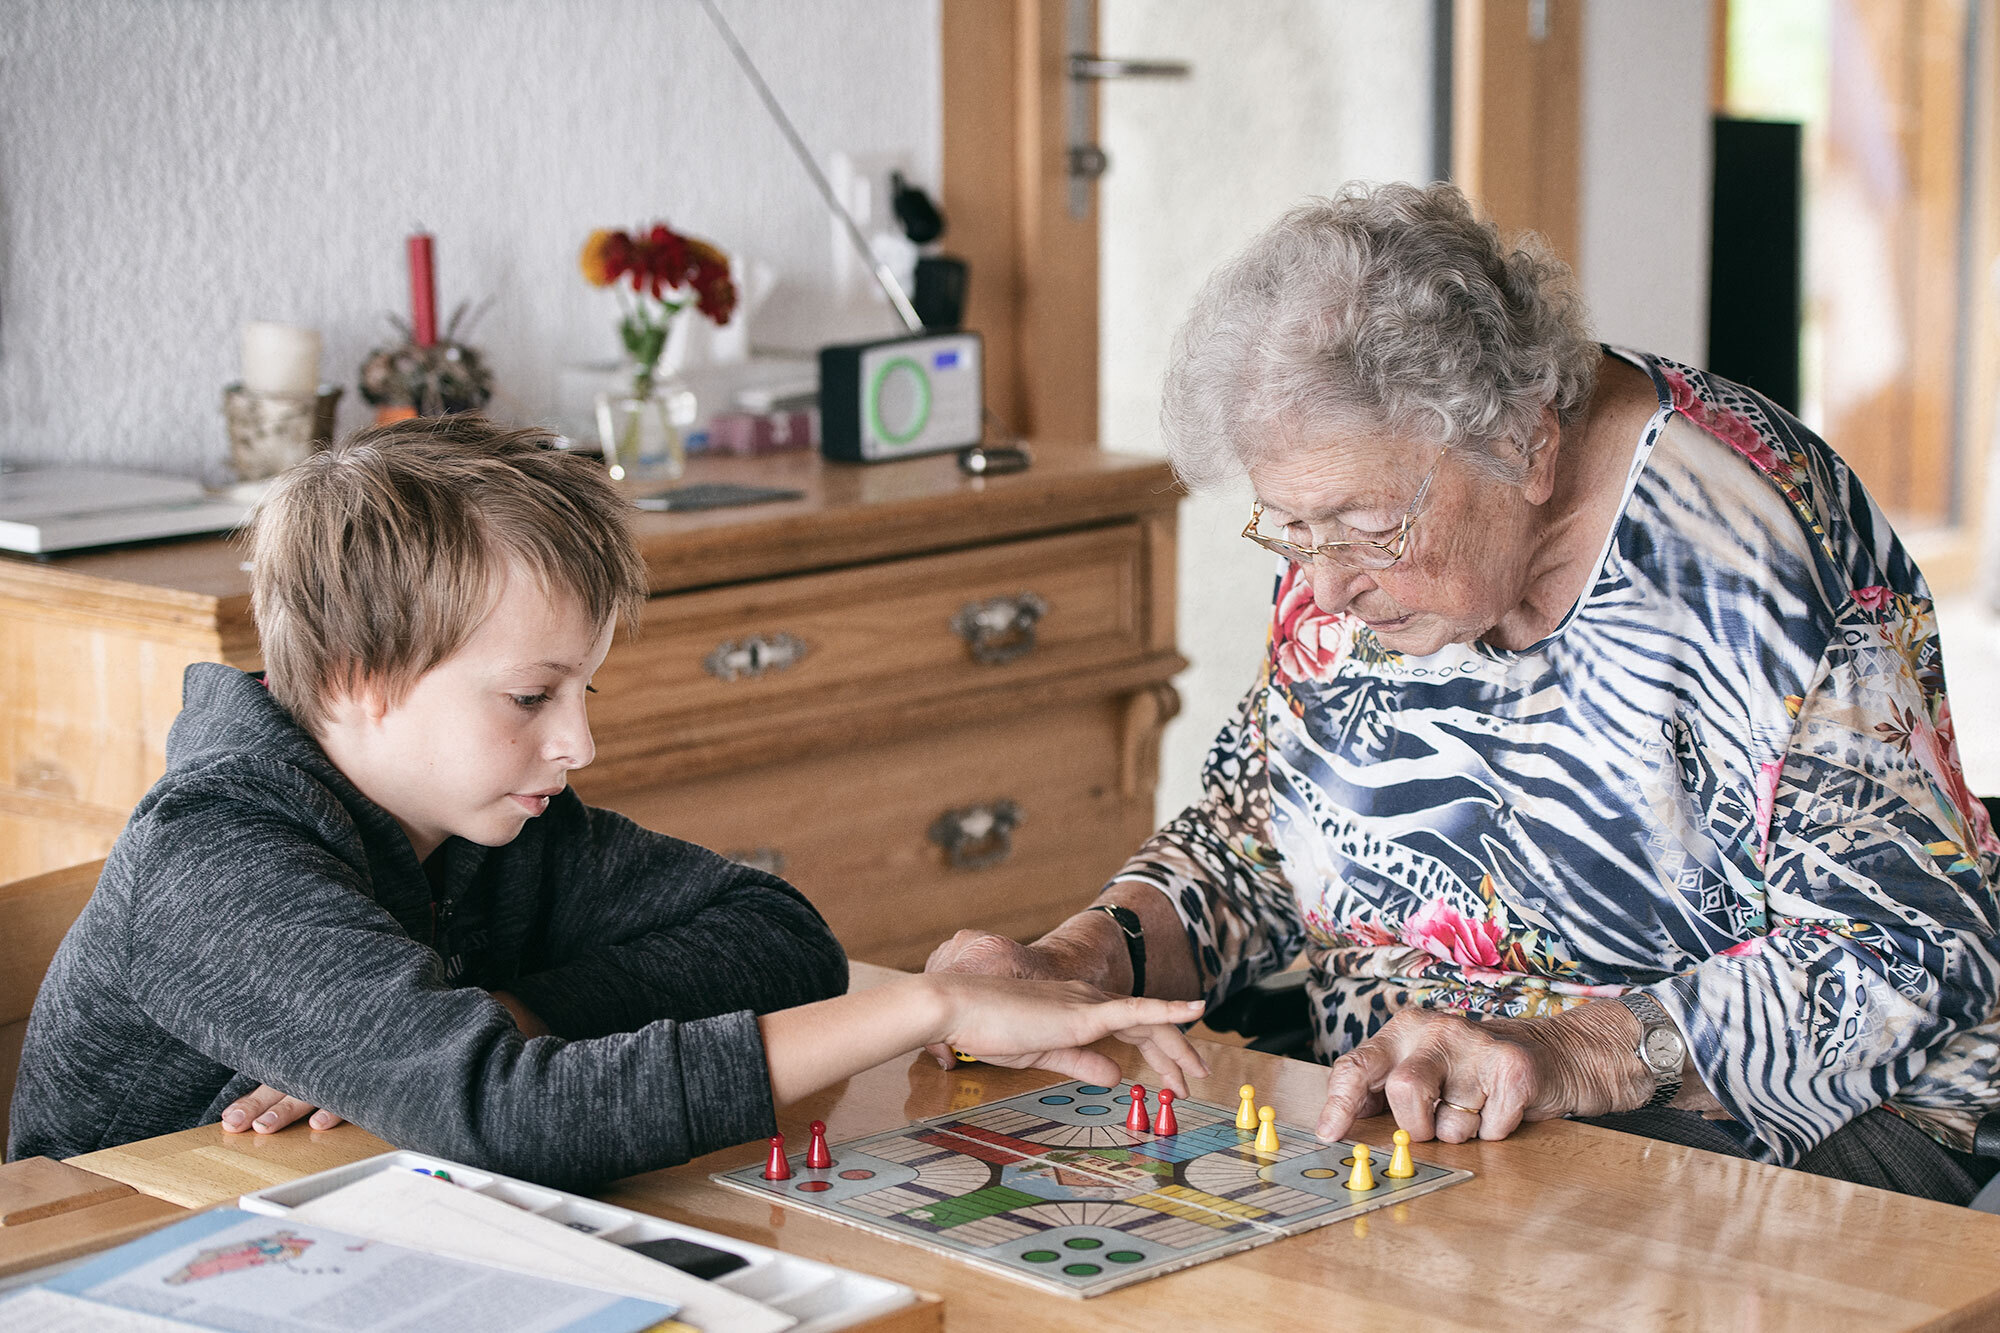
(229, 1270)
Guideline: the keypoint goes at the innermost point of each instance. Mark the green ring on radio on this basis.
(875, 401)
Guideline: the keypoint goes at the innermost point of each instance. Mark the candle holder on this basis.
(438, 378)
(269, 432)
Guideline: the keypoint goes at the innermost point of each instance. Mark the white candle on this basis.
(280, 359)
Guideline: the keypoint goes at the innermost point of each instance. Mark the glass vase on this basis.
(643, 430)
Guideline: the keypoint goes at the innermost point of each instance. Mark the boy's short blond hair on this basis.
(377, 558)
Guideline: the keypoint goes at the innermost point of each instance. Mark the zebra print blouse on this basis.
(1728, 778)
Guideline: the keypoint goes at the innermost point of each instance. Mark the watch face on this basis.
(1663, 1049)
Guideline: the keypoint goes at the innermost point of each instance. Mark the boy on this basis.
(364, 880)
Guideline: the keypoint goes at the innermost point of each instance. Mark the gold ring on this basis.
(1469, 1110)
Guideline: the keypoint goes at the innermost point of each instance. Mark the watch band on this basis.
(1666, 1083)
(1135, 940)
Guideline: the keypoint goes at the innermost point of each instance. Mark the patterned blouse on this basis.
(1727, 778)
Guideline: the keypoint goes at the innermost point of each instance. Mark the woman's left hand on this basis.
(1452, 1078)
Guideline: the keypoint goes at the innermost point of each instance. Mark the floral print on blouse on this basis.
(1728, 779)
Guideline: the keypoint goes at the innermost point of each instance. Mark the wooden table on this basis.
(1565, 1227)
(52, 1211)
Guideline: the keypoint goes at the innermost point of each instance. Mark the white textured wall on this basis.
(1288, 98)
(1647, 146)
(172, 168)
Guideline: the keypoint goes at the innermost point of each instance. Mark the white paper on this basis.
(423, 1213)
(39, 1310)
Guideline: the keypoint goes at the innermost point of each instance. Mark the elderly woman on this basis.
(1601, 705)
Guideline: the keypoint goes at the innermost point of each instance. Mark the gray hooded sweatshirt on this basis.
(261, 921)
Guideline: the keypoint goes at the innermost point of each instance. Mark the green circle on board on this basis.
(1082, 1270)
(1041, 1256)
(923, 412)
(1125, 1256)
(1084, 1243)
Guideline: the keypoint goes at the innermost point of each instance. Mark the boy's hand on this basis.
(266, 1110)
(1046, 1025)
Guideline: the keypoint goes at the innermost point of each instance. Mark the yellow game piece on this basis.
(1267, 1130)
(1246, 1114)
(1400, 1165)
(1363, 1176)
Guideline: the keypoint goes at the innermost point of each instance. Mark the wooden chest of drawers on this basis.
(930, 701)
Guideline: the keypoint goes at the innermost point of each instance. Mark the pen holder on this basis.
(269, 432)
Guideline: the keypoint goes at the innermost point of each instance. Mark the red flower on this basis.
(715, 293)
(662, 264)
(1873, 599)
(1305, 641)
(1443, 932)
(666, 257)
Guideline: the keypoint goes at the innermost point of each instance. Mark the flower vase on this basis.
(643, 429)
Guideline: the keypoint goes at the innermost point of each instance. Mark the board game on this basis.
(1052, 1188)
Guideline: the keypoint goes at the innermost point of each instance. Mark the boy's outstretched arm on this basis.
(1002, 1020)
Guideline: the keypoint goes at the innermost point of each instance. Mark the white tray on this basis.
(820, 1296)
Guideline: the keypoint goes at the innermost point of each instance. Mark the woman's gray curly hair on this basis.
(1387, 309)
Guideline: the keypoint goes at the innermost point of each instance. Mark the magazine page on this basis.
(234, 1270)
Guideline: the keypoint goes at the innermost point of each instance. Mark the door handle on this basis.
(1087, 160)
(1083, 65)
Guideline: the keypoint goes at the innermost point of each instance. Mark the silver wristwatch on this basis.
(1660, 1046)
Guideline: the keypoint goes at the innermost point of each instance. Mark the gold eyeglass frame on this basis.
(1394, 548)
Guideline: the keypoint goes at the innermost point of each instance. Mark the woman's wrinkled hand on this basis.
(984, 954)
(1451, 1078)
(1048, 1025)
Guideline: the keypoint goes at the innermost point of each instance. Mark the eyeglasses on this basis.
(1349, 554)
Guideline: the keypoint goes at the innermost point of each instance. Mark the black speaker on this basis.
(1756, 244)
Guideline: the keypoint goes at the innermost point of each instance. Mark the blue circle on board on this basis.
(1123, 1099)
(1093, 1110)
(1057, 1101)
(1092, 1090)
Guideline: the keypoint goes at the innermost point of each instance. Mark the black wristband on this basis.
(1135, 940)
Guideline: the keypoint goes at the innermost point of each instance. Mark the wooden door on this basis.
(1033, 267)
(1517, 115)
(1894, 160)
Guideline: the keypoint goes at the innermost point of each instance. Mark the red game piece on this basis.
(817, 1157)
(777, 1168)
(1166, 1125)
(1136, 1119)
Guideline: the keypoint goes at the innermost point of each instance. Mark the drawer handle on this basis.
(767, 859)
(754, 656)
(1000, 629)
(977, 836)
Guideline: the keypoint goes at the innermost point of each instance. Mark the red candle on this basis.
(423, 294)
